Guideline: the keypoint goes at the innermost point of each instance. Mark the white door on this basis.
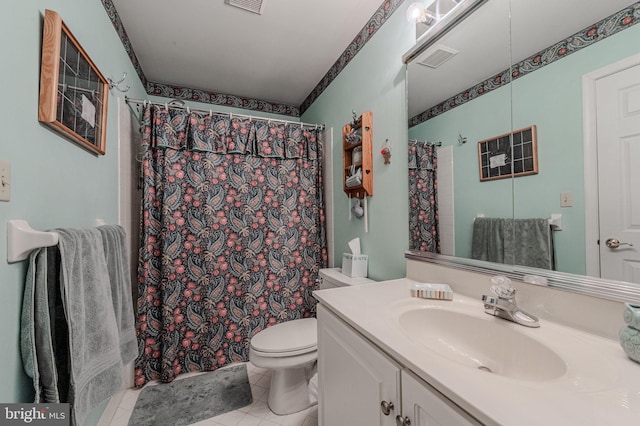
(359, 385)
(422, 405)
(618, 141)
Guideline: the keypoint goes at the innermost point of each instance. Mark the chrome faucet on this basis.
(503, 303)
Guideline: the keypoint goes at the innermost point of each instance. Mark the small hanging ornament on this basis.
(386, 152)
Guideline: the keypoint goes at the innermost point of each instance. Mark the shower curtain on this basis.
(423, 200)
(232, 237)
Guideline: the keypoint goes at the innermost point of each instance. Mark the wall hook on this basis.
(116, 84)
(461, 139)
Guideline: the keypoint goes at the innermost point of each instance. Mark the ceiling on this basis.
(500, 32)
(281, 55)
(278, 56)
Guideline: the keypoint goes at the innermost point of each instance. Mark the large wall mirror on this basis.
(569, 70)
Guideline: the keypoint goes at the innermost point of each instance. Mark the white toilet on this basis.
(290, 350)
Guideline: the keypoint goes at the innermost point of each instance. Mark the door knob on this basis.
(613, 243)
(403, 421)
(386, 407)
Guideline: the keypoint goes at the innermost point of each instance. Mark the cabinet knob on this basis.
(403, 421)
(386, 407)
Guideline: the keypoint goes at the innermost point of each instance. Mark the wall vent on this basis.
(436, 56)
(254, 6)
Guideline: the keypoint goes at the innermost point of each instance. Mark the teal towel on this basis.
(488, 238)
(74, 333)
(36, 336)
(525, 242)
(96, 366)
(117, 257)
(531, 243)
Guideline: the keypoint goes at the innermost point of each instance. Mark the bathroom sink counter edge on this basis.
(597, 383)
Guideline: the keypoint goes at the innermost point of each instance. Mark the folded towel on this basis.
(77, 324)
(488, 239)
(94, 347)
(531, 243)
(115, 251)
(525, 242)
(36, 344)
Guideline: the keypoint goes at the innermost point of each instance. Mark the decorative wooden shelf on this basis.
(362, 129)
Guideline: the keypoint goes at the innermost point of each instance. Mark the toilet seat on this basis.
(286, 339)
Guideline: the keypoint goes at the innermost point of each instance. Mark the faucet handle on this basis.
(502, 287)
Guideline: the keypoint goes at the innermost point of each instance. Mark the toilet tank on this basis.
(332, 278)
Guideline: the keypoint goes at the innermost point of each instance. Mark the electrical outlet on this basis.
(566, 199)
(5, 181)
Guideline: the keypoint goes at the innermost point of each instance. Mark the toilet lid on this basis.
(289, 336)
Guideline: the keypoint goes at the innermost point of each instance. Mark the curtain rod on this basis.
(177, 104)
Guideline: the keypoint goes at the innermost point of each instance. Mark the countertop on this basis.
(601, 385)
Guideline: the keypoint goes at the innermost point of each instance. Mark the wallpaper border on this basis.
(586, 37)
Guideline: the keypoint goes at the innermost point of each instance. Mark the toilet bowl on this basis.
(290, 349)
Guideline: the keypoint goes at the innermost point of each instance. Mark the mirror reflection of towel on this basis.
(525, 242)
(487, 242)
(532, 243)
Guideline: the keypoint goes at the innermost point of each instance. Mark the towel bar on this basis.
(555, 221)
(21, 239)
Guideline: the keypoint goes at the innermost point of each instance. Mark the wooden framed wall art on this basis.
(510, 155)
(73, 92)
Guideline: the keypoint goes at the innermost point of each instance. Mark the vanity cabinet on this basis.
(361, 385)
(354, 377)
(422, 405)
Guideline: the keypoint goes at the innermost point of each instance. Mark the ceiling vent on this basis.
(436, 56)
(254, 6)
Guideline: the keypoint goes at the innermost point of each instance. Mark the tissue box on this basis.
(354, 265)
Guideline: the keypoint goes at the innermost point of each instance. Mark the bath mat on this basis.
(190, 400)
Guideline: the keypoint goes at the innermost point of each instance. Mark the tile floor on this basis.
(255, 414)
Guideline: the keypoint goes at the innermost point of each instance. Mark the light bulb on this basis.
(414, 11)
(417, 11)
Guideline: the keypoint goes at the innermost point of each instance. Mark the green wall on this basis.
(550, 98)
(373, 81)
(488, 116)
(54, 182)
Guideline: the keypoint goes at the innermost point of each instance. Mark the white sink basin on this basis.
(481, 342)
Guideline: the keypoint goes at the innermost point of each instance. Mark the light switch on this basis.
(566, 199)
(5, 180)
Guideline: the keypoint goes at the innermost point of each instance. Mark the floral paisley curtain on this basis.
(232, 236)
(423, 204)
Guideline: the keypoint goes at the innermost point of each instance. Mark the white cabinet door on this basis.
(425, 406)
(354, 377)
